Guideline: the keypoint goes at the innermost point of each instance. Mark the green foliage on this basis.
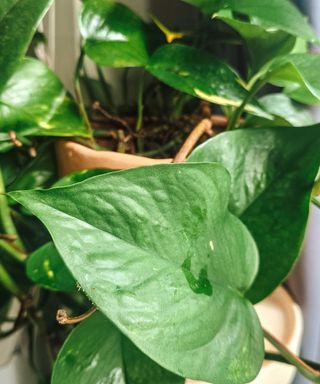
(174, 255)
(298, 74)
(34, 103)
(143, 269)
(263, 44)
(18, 22)
(184, 67)
(106, 355)
(46, 268)
(287, 112)
(113, 35)
(282, 15)
(271, 191)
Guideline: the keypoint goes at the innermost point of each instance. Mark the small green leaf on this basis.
(286, 111)
(280, 14)
(298, 73)
(34, 103)
(46, 268)
(96, 352)
(263, 45)
(183, 68)
(39, 172)
(77, 177)
(126, 237)
(273, 172)
(18, 22)
(114, 36)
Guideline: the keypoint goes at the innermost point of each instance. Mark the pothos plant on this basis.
(167, 259)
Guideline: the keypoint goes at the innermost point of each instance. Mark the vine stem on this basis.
(12, 251)
(271, 356)
(63, 318)
(79, 97)
(205, 126)
(7, 281)
(140, 108)
(5, 217)
(302, 367)
(238, 112)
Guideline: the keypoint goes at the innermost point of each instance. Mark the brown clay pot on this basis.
(72, 157)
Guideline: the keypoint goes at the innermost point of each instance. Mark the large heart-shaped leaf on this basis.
(273, 172)
(46, 268)
(18, 23)
(298, 73)
(157, 251)
(183, 68)
(282, 14)
(34, 103)
(96, 352)
(113, 35)
(263, 45)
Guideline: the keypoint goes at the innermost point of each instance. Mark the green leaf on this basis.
(183, 68)
(281, 14)
(273, 172)
(298, 73)
(34, 103)
(114, 36)
(287, 111)
(18, 22)
(263, 45)
(40, 172)
(96, 352)
(170, 270)
(77, 177)
(46, 268)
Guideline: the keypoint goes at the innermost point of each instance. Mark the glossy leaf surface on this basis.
(286, 111)
(46, 268)
(18, 22)
(272, 172)
(298, 73)
(199, 74)
(76, 177)
(34, 103)
(161, 264)
(114, 36)
(96, 352)
(271, 13)
(39, 172)
(263, 45)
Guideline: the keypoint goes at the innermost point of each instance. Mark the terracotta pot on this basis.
(72, 157)
(279, 314)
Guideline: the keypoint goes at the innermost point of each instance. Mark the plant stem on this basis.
(279, 358)
(12, 251)
(205, 126)
(316, 202)
(5, 214)
(140, 106)
(79, 97)
(302, 367)
(63, 318)
(140, 103)
(8, 283)
(238, 112)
